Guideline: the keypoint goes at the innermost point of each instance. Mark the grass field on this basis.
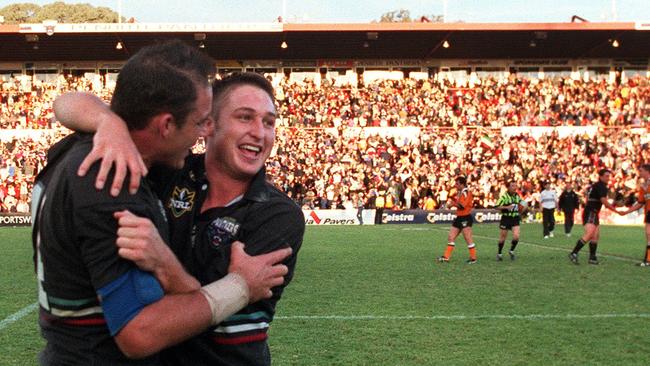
(374, 296)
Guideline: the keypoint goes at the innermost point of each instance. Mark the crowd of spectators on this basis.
(27, 103)
(21, 160)
(322, 160)
(491, 102)
(321, 169)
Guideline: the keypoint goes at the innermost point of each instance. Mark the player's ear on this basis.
(165, 124)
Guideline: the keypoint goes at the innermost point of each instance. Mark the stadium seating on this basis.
(325, 159)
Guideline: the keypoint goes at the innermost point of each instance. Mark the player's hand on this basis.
(139, 241)
(112, 144)
(261, 272)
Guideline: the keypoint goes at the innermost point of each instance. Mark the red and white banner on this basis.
(338, 217)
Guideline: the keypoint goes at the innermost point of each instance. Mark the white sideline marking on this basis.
(17, 315)
(28, 309)
(463, 317)
(545, 246)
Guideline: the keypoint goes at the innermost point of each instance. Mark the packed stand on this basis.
(27, 104)
(21, 160)
(320, 169)
(491, 102)
(322, 162)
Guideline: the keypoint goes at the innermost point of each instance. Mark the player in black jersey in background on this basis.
(596, 199)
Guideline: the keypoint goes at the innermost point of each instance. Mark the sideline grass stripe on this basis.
(463, 317)
(17, 315)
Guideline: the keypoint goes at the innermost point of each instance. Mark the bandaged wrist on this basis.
(226, 296)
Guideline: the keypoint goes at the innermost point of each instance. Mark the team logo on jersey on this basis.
(182, 201)
(222, 231)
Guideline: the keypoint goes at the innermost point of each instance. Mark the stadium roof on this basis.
(254, 41)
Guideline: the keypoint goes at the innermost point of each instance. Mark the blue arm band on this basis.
(126, 296)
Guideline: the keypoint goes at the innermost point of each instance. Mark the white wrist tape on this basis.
(226, 296)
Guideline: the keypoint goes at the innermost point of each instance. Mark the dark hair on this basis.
(645, 167)
(461, 180)
(162, 78)
(603, 172)
(221, 88)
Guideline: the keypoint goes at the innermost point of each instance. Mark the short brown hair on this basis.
(221, 88)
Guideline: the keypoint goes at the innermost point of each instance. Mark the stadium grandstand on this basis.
(369, 110)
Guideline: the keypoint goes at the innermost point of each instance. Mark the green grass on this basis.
(375, 296)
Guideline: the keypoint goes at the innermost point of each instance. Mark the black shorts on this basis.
(590, 217)
(507, 222)
(462, 222)
(647, 217)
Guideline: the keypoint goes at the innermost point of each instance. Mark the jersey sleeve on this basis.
(124, 298)
(501, 201)
(95, 228)
(123, 289)
(273, 226)
(96, 232)
(280, 225)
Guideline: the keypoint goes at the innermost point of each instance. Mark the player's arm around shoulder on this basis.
(139, 241)
(163, 323)
(141, 319)
(176, 317)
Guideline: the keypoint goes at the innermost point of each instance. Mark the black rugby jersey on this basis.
(76, 255)
(264, 219)
(597, 191)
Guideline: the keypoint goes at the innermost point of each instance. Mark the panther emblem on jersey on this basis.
(182, 201)
(222, 231)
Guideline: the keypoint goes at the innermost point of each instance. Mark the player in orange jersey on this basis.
(644, 201)
(462, 223)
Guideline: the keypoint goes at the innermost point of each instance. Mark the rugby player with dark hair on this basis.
(596, 199)
(97, 308)
(221, 197)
